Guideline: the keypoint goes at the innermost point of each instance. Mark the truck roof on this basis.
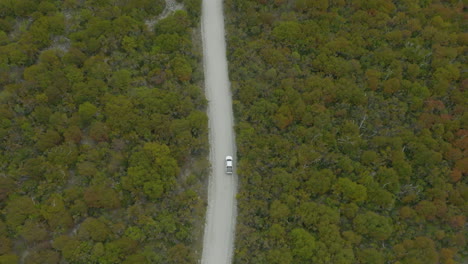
(228, 161)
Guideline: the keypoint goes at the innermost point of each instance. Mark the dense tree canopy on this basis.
(103, 134)
(351, 130)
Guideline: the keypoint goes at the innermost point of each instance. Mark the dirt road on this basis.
(221, 211)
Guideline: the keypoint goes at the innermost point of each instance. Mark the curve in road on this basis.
(221, 212)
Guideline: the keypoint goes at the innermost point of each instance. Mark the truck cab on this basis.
(228, 164)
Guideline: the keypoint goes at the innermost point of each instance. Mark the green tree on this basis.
(99, 196)
(42, 113)
(178, 23)
(33, 231)
(48, 140)
(55, 212)
(9, 259)
(279, 256)
(64, 155)
(320, 182)
(180, 254)
(34, 167)
(288, 32)
(117, 250)
(99, 131)
(18, 209)
(94, 229)
(71, 249)
(73, 134)
(5, 242)
(426, 209)
(420, 250)
(120, 80)
(86, 111)
(152, 168)
(43, 256)
(120, 114)
(313, 214)
(182, 69)
(279, 211)
(371, 256)
(304, 246)
(376, 226)
(350, 190)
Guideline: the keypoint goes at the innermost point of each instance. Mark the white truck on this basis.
(228, 164)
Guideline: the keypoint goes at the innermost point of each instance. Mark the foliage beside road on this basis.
(351, 130)
(103, 133)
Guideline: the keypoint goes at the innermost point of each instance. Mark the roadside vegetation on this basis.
(351, 127)
(103, 132)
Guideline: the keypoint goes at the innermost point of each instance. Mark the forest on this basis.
(103, 132)
(352, 130)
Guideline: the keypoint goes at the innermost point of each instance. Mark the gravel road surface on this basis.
(221, 212)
